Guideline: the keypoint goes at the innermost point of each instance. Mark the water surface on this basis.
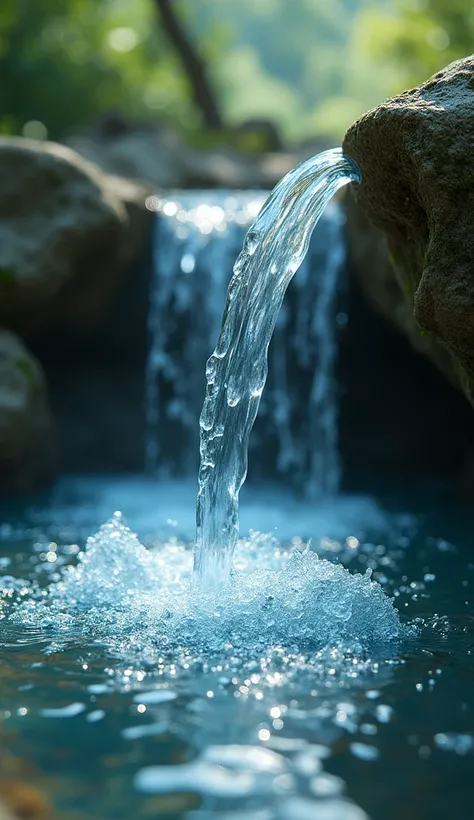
(324, 732)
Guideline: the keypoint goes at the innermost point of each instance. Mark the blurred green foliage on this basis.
(310, 66)
(300, 64)
(65, 62)
(416, 38)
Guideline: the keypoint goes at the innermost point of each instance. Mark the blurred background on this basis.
(105, 103)
(307, 67)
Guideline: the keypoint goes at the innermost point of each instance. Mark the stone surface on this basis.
(152, 156)
(372, 263)
(160, 159)
(27, 441)
(66, 229)
(57, 220)
(417, 160)
(86, 302)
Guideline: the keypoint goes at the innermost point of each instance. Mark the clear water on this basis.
(325, 678)
(111, 715)
(198, 235)
(273, 250)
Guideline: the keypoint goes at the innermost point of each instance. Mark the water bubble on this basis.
(301, 808)
(188, 263)
(326, 785)
(383, 713)
(251, 243)
(97, 688)
(211, 368)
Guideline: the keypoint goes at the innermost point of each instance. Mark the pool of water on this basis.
(107, 722)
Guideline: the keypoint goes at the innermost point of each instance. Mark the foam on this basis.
(278, 597)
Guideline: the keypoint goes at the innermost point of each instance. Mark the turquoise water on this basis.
(324, 731)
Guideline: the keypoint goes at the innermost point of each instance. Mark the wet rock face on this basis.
(27, 445)
(372, 263)
(68, 235)
(416, 153)
(58, 221)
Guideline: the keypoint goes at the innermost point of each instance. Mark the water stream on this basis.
(273, 250)
(197, 237)
(319, 664)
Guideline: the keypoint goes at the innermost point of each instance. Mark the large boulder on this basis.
(63, 222)
(416, 156)
(27, 440)
(85, 304)
(372, 263)
(152, 156)
(160, 159)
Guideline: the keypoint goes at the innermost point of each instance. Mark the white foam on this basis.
(277, 598)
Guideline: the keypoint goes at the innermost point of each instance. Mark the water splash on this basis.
(282, 598)
(218, 717)
(273, 250)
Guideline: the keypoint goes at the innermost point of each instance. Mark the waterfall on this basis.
(197, 237)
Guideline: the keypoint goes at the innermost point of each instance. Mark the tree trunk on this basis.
(193, 64)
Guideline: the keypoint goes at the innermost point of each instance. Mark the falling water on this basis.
(198, 235)
(273, 250)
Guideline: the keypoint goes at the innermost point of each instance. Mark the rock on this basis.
(84, 304)
(21, 801)
(27, 442)
(57, 219)
(159, 159)
(371, 262)
(63, 223)
(133, 195)
(261, 133)
(416, 156)
(152, 157)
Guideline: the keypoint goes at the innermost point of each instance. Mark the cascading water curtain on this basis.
(198, 235)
